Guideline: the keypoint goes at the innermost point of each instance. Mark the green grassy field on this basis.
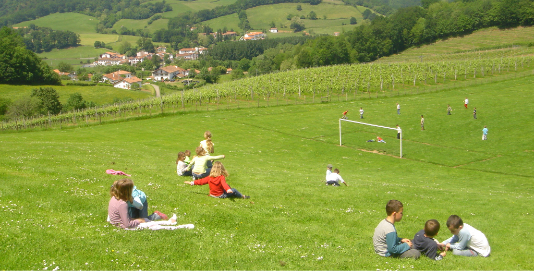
(261, 17)
(185, 6)
(479, 40)
(75, 22)
(98, 94)
(54, 190)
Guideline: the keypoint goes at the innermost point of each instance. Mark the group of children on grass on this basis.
(128, 206)
(128, 209)
(204, 171)
(422, 122)
(466, 240)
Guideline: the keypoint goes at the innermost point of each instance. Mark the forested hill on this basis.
(384, 7)
(16, 11)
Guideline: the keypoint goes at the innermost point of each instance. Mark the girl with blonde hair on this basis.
(199, 163)
(217, 183)
(207, 144)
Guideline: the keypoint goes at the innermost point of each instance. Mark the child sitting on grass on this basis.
(466, 240)
(424, 241)
(385, 239)
(181, 165)
(217, 183)
(200, 163)
(328, 170)
(187, 159)
(121, 193)
(334, 178)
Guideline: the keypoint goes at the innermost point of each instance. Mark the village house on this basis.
(116, 77)
(253, 36)
(128, 83)
(229, 34)
(110, 59)
(274, 30)
(169, 73)
(190, 53)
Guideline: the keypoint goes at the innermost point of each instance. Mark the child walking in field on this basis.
(449, 109)
(345, 114)
(121, 194)
(485, 133)
(217, 183)
(466, 240)
(361, 112)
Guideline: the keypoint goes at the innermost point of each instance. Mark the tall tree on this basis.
(19, 65)
(49, 100)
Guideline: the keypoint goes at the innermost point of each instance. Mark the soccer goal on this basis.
(399, 131)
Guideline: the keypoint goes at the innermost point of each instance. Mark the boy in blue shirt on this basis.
(385, 239)
(424, 241)
(466, 240)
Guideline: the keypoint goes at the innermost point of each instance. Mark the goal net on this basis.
(359, 135)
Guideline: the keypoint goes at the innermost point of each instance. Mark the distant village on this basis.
(125, 80)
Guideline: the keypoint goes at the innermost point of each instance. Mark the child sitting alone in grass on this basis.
(217, 183)
(334, 178)
(121, 194)
(424, 241)
(466, 240)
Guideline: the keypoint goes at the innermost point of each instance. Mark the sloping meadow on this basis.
(54, 190)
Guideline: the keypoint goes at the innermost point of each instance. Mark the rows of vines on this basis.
(313, 83)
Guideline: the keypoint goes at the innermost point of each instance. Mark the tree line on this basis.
(383, 36)
(13, 12)
(39, 39)
(415, 26)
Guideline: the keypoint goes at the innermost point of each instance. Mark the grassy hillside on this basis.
(72, 56)
(75, 22)
(54, 191)
(98, 94)
(486, 40)
(184, 6)
(261, 17)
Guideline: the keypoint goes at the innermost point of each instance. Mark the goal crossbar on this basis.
(374, 125)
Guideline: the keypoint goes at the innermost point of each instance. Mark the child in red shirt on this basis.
(217, 183)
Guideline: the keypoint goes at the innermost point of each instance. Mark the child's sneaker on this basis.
(154, 217)
(246, 197)
(173, 218)
(162, 215)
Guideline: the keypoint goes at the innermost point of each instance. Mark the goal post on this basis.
(399, 130)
